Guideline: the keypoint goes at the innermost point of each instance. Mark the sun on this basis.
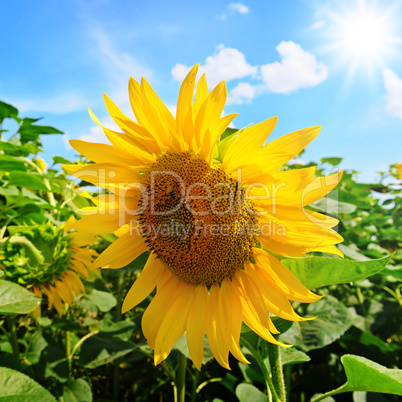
(362, 35)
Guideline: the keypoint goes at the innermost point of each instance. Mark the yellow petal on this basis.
(274, 271)
(196, 324)
(218, 347)
(157, 309)
(247, 143)
(210, 112)
(174, 323)
(144, 284)
(121, 252)
(230, 314)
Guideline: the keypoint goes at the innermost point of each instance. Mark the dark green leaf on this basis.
(17, 387)
(333, 321)
(315, 272)
(14, 299)
(100, 349)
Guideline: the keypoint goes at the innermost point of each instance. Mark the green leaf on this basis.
(315, 272)
(365, 375)
(281, 325)
(14, 299)
(60, 159)
(7, 111)
(103, 300)
(293, 356)
(181, 345)
(30, 180)
(333, 320)
(249, 393)
(30, 132)
(11, 163)
(17, 387)
(101, 349)
(77, 391)
(334, 161)
(333, 207)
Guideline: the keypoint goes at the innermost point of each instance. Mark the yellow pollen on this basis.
(196, 219)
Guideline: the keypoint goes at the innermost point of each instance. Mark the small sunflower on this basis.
(48, 260)
(399, 170)
(212, 209)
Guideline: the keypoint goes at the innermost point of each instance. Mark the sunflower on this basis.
(213, 210)
(49, 261)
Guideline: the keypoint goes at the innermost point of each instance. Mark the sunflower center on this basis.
(197, 219)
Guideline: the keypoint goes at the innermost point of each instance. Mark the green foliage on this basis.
(365, 375)
(15, 299)
(17, 387)
(92, 352)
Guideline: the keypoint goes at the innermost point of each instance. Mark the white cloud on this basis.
(393, 86)
(239, 8)
(297, 69)
(59, 104)
(228, 64)
(243, 92)
(318, 25)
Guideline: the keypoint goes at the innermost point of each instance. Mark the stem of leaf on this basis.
(181, 378)
(196, 378)
(268, 381)
(276, 370)
(13, 337)
(69, 354)
(116, 366)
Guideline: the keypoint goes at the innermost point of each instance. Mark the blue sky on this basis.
(337, 64)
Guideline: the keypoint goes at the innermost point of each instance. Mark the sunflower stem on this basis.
(181, 378)
(13, 337)
(276, 370)
(69, 354)
(272, 394)
(196, 379)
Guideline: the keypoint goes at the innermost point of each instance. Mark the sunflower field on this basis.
(93, 309)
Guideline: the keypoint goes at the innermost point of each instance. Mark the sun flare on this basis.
(363, 35)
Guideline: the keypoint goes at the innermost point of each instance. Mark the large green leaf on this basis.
(101, 349)
(315, 272)
(249, 393)
(293, 356)
(333, 207)
(333, 321)
(11, 163)
(365, 375)
(14, 299)
(104, 301)
(77, 391)
(17, 387)
(29, 180)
